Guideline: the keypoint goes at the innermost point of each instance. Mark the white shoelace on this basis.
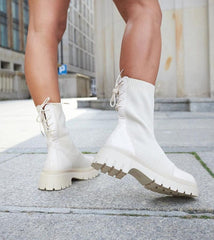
(115, 100)
(39, 118)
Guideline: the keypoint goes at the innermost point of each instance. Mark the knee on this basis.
(138, 9)
(50, 27)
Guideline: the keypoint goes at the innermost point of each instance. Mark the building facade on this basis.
(77, 46)
(187, 62)
(76, 49)
(14, 20)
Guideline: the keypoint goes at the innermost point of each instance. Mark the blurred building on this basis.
(186, 75)
(76, 50)
(13, 32)
(77, 47)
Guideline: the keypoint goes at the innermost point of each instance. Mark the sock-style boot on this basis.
(132, 147)
(64, 161)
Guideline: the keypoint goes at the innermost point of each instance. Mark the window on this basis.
(15, 14)
(71, 54)
(15, 9)
(16, 40)
(3, 23)
(5, 65)
(3, 6)
(25, 19)
(87, 32)
(17, 67)
(81, 58)
(87, 62)
(84, 10)
(79, 22)
(70, 32)
(93, 65)
(92, 19)
(75, 36)
(84, 43)
(3, 31)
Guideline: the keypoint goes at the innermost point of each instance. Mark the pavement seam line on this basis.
(18, 155)
(198, 158)
(204, 165)
(107, 212)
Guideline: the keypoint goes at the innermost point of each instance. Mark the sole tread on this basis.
(147, 183)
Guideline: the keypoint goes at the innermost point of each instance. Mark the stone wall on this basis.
(187, 62)
(12, 79)
(74, 85)
(13, 86)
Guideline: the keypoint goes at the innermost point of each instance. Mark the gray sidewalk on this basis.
(102, 208)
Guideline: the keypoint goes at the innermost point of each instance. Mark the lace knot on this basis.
(115, 91)
(41, 110)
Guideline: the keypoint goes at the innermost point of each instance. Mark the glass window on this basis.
(16, 43)
(26, 13)
(85, 61)
(84, 11)
(3, 34)
(75, 35)
(79, 22)
(84, 42)
(3, 23)
(75, 3)
(81, 58)
(87, 32)
(92, 19)
(3, 6)
(71, 54)
(77, 57)
(25, 20)
(15, 9)
(15, 14)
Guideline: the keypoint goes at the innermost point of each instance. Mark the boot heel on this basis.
(112, 171)
(52, 182)
(113, 162)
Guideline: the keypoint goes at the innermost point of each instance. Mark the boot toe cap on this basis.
(186, 178)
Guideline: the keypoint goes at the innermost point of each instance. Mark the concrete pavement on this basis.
(102, 208)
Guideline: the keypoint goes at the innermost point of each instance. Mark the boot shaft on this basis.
(53, 120)
(134, 101)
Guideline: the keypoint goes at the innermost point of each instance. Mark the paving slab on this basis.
(18, 124)
(77, 227)
(175, 132)
(208, 158)
(102, 208)
(20, 175)
(5, 156)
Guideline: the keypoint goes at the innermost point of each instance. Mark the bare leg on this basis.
(46, 27)
(141, 45)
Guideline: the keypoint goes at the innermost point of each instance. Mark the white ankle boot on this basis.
(64, 161)
(132, 147)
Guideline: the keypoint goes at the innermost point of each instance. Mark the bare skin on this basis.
(140, 50)
(141, 45)
(46, 26)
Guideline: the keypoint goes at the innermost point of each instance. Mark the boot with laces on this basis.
(64, 162)
(132, 147)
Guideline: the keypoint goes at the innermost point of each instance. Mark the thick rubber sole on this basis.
(51, 181)
(118, 164)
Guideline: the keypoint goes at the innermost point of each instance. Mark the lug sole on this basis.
(51, 181)
(148, 178)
